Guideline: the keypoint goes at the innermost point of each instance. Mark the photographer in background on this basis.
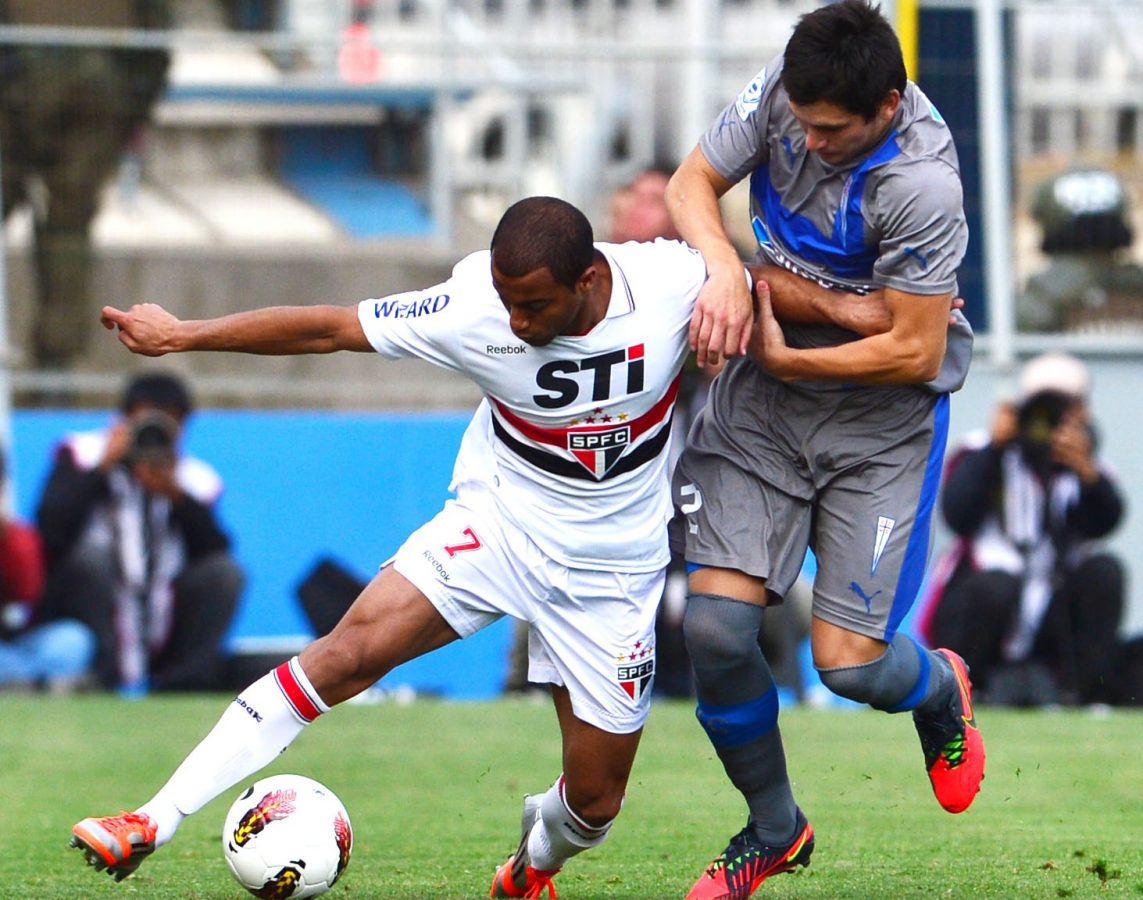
(1026, 596)
(135, 549)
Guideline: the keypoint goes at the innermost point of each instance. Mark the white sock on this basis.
(559, 834)
(254, 729)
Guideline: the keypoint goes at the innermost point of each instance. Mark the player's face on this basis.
(838, 136)
(539, 307)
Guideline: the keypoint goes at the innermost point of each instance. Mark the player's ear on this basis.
(888, 108)
(586, 279)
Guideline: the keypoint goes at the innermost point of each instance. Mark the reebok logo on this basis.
(250, 710)
(436, 564)
(504, 350)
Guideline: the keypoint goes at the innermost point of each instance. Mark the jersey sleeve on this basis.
(427, 324)
(923, 229)
(681, 265)
(735, 144)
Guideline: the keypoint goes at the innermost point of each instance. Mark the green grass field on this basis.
(434, 792)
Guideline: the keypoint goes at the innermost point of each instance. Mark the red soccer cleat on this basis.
(747, 862)
(951, 742)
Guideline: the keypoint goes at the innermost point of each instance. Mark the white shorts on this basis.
(589, 630)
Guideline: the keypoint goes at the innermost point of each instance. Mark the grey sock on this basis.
(738, 707)
(905, 677)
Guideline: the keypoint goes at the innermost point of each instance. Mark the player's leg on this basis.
(593, 640)
(391, 622)
(736, 692)
(577, 811)
(738, 708)
(737, 695)
(872, 532)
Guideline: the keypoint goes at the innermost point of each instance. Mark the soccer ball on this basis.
(287, 836)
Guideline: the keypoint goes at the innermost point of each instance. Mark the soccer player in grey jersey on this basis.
(819, 437)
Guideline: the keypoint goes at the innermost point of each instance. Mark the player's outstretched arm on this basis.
(150, 330)
(724, 310)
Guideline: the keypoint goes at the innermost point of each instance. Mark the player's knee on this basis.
(855, 683)
(885, 682)
(720, 633)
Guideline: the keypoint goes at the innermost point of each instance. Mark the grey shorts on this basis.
(771, 469)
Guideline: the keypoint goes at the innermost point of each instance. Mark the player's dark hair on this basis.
(160, 390)
(539, 232)
(847, 54)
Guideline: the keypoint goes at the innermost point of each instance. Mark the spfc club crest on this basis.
(636, 669)
(600, 448)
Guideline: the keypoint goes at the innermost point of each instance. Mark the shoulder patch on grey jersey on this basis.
(751, 96)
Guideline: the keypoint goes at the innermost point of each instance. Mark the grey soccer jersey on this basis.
(893, 218)
(850, 470)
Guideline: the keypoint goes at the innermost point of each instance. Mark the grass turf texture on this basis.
(434, 793)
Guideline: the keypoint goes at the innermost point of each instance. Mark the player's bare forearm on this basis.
(150, 330)
(911, 352)
(797, 299)
(692, 200)
(724, 310)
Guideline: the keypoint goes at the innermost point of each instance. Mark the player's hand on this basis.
(145, 328)
(723, 316)
(768, 343)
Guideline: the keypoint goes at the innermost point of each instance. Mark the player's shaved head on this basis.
(540, 232)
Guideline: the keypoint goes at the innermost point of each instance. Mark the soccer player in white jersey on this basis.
(559, 514)
(822, 438)
(559, 517)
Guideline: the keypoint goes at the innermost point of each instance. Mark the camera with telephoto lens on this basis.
(153, 437)
(1041, 414)
(1038, 417)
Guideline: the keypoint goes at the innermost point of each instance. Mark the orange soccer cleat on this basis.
(118, 844)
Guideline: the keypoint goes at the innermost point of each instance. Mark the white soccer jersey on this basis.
(571, 439)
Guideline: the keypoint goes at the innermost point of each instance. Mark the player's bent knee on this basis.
(888, 682)
(720, 632)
